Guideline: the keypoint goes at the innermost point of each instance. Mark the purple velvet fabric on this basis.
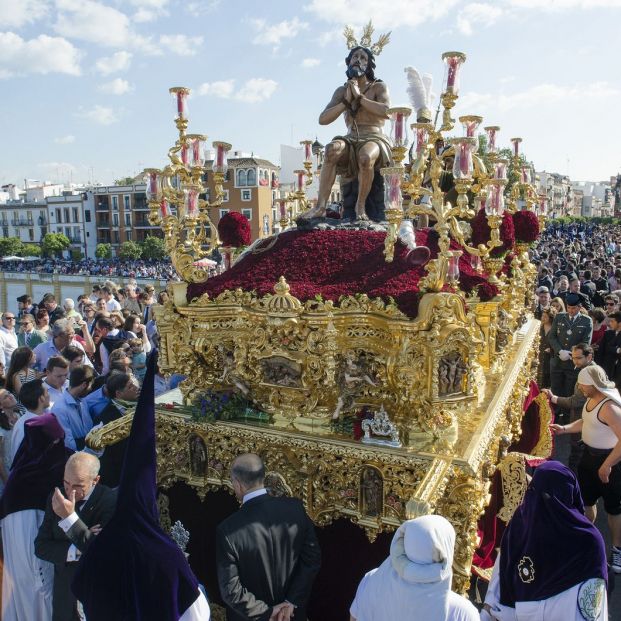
(549, 545)
(132, 570)
(38, 466)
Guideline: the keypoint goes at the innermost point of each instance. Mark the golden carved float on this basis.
(361, 409)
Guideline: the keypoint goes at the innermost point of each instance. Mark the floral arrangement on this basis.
(225, 406)
(234, 230)
(332, 264)
(481, 232)
(526, 225)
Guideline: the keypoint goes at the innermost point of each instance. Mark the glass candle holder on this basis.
(542, 205)
(153, 180)
(492, 134)
(165, 211)
(308, 150)
(526, 175)
(180, 96)
(393, 198)
(398, 126)
(196, 144)
(191, 202)
(463, 165)
(495, 203)
(516, 146)
(470, 123)
(454, 61)
(299, 180)
(453, 266)
(282, 206)
(185, 150)
(421, 133)
(500, 169)
(476, 263)
(220, 160)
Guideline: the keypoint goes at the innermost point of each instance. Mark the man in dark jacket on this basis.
(71, 521)
(267, 552)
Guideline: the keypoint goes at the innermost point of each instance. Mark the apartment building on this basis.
(73, 214)
(27, 221)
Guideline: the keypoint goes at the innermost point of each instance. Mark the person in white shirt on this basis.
(111, 303)
(57, 372)
(71, 413)
(63, 334)
(8, 338)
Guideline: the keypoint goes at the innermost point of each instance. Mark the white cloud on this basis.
(41, 55)
(182, 45)
(100, 115)
(537, 96)
(254, 90)
(92, 21)
(561, 5)
(273, 34)
(307, 63)
(385, 15)
(223, 88)
(116, 87)
(17, 13)
(149, 10)
(119, 61)
(477, 13)
(197, 8)
(65, 139)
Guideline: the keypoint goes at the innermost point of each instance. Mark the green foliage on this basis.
(10, 246)
(153, 248)
(54, 244)
(31, 250)
(130, 250)
(103, 251)
(76, 254)
(124, 181)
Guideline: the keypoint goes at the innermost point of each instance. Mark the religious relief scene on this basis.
(398, 346)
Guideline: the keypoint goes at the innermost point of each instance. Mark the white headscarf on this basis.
(594, 375)
(414, 582)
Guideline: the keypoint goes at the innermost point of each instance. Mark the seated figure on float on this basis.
(364, 101)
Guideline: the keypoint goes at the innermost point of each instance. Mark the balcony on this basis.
(22, 222)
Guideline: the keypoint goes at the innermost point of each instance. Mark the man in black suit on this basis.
(267, 552)
(70, 522)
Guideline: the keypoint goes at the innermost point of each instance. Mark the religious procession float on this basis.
(378, 354)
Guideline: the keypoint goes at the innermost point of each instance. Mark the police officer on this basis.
(568, 329)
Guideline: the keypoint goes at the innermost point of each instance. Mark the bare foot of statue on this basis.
(361, 213)
(315, 212)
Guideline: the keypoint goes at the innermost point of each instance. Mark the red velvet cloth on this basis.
(338, 263)
(490, 529)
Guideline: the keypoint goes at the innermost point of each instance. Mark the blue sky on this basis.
(84, 83)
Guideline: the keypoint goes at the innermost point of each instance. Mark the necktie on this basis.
(27, 338)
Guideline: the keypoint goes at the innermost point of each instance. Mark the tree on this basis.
(130, 250)
(153, 248)
(76, 254)
(54, 244)
(10, 246)
(103, 251)
(125, 181)
(31, 250)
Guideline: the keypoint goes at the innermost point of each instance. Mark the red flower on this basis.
(481, 232)
(487, 291)
(526, 226)
(234, 230)
(334, 264)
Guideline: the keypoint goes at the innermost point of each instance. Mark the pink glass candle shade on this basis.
(470, 125)
(542, 206)
(526, 176)
(191, 203)
(283, 209)
(422, 138)
(463, 165)
(197, 150)
(180, 99)
(398, 126)
(184, 154)
(308, 152)
(495, 204)
(392, 189)
(492, 134)
(300, 175)
(516, 146)
(454, 61)
(164, 208)
(154, 186)
(220, 161)
(500, 169)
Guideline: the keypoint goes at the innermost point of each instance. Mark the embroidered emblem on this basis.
(526, 570)
(590, 598)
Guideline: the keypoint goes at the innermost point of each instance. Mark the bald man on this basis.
(72, 518)
(267, 552)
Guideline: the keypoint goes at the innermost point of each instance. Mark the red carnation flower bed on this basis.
(332, 264)
(234, 230)
(481, 232)
(526, 225)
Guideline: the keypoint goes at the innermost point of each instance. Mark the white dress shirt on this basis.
(253, 494)
(8, 344)
(73, 554)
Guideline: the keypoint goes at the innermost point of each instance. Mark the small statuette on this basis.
(380, 425)
(180, 535)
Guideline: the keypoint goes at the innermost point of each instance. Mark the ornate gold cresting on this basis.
(174, 196)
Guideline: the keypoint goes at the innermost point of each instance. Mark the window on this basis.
(115, 219)
(43, 231)
(58, 216)
(247, 213)
(126, 202)
(128, 219)
(128, 235)
(87, 215)
(68, 231)
(66, 214)
(115, 236)
(5, 231)
(31, 234)
(252, 177)
(223, 212)
(76, 233)
(225, 198)
(246, 195)
(115, 203)
(241, 178)
(75, 214)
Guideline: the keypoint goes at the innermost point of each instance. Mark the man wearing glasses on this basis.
(28, 336)
(8, 338)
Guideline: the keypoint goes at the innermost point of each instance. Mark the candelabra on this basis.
(174, 195)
